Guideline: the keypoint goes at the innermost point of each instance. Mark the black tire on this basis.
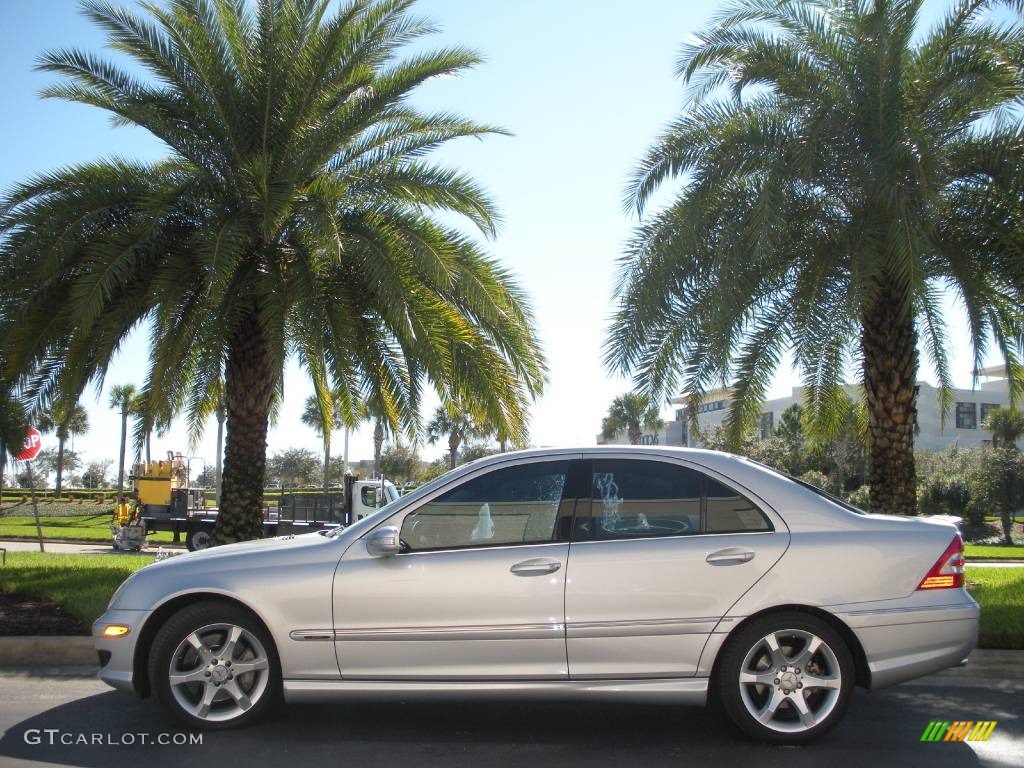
(737, 699)
(199, 537)
(197, 618)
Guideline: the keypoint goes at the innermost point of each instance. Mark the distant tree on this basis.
(631, 413)
(49, 462)
(999, 486)
(478, 450)
(65, 422)
(317, 414)
(207, 478)
(399, 462)
(294, 467)
(122, 398)
(95, 474)
(1006, 426)
(457, 425)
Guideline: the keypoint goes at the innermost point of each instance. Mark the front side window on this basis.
(369, 496)
(515, 505)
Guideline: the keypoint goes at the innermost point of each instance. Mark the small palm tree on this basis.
(1006, 426)
(316, 414)
(66, 422)
(123, 399)
(632, 413)
(842, 171)
(458, 425)
(296, 215)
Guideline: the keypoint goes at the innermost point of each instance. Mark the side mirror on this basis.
(383, 542)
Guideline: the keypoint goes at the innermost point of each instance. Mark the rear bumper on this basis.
(909, 641)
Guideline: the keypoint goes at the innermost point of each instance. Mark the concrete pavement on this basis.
(881, 728)
(79, 548)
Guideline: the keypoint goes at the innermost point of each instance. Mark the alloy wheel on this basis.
(790, 680)
(219, 672)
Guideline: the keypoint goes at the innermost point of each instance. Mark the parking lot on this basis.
(881, 729)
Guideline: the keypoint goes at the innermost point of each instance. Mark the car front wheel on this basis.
(213, 665)
(786, 678)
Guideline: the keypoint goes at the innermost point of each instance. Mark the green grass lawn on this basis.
(82, 584)
(1001, 552)
(83, 527)
(1000, 591)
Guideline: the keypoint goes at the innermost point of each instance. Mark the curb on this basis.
(48, 651)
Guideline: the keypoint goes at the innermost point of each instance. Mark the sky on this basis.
(584, 86)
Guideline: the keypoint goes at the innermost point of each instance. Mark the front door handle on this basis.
(537, 566)
(730, 556)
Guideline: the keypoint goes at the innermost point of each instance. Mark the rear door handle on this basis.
(730, 556)
(535, 567)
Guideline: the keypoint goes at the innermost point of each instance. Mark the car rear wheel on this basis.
(786, 678)
(213, 665)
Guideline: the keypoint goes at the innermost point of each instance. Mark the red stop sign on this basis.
(32, 445)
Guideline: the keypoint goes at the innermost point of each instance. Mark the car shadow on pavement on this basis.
(884, 728)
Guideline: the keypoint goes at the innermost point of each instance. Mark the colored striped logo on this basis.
(958, 730)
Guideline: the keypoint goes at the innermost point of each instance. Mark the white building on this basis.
(962, 423)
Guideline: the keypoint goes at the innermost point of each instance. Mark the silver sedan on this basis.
(647, 574)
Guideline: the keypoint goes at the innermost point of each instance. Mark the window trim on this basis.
(704, 473)
(570, 460)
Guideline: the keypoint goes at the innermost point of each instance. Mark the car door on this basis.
(660, 552)
(477, 590)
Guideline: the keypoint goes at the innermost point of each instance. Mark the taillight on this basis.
(948, 571)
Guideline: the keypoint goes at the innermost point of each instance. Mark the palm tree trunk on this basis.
(148, 434)
(120, 463)
(327, 465)
(634, 434)
(889, 346)
(378, 446)
(220, 451)
(453, 449)
(249, 390)
(60, 464)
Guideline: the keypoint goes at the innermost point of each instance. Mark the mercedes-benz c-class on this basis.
(647, 574)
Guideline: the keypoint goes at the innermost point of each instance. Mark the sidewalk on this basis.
(81, 547)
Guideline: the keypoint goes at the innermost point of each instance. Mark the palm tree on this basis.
(633, 413)
(826, 212)
(315, 415)
(122, 398)
(458, 425)
(295, 215)
(65, 422)
(1006, 426)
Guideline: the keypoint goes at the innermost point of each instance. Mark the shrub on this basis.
(942, 494)
(859, 497)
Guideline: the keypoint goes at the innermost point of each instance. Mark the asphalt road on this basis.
(881, 729)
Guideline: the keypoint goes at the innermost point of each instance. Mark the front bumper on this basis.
(118, 669)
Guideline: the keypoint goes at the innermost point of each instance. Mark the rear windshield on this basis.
(824, 494)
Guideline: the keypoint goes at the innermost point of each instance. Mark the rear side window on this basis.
(644, 498)
(632, 498)
(728, 512)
